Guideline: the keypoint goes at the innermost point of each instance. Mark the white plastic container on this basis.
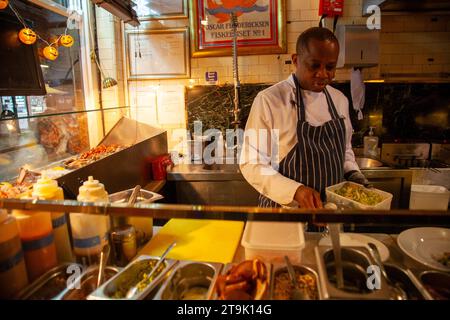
(385, 204)
(271, 241)
(90, 232)
(428, 197)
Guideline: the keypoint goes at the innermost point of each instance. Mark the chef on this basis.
(306, 122)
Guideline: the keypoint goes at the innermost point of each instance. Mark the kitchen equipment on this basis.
(143, 225)
(429, 197)
(355, 263)
(190, 280)
(199, 240)
(297, 293)
(132, 291)
(280, 287)
(348, 239)
(123, 240)
(125, 168)
(426, 245)
(104, 255)
(271, 241)
(406, 280)
(51, 284)
(404, 154)
(88, 283)
(159, 166)
(334, 235)
(397, 293)
(437, 284)
(136, 272)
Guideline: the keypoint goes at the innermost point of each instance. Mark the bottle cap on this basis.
(92, 190)
(46, 189)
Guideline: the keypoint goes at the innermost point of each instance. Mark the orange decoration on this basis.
(27, 36)
(3, 4)
(66, 40)
(51, 53)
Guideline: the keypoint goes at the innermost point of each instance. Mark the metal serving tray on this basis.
(281, 268)
(228, 266)
(356, 259)
(190, 275)
(88, 283)
(50, 284)
(106, 290)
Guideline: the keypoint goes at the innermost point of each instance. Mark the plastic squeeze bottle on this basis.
(13, 272)
(36, 234)
(90, 232)
(47, 189)
(371, 144)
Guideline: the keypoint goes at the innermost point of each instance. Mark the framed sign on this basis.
(261, 27)
(160, 9)
(158, 54)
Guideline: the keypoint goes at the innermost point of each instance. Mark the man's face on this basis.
(316, 65)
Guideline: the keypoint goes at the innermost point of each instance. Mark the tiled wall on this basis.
(408, 44)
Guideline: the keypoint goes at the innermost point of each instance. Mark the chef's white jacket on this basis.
(274, 108)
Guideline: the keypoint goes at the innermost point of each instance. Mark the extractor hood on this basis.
(409, 6)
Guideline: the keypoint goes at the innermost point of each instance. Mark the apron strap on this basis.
(299, 100)
(331, 108)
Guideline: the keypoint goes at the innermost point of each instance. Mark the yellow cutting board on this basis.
(199, 240)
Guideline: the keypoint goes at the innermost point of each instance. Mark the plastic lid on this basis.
(428, 188)
(92, 190)
(45, 188)
(274, 235)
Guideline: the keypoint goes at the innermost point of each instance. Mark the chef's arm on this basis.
(256, 160)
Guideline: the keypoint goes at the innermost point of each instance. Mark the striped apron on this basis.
(317, 160)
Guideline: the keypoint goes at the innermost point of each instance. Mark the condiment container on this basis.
(123, 239)
(13, 272)
(36, 234)
(47, 189)
(90, 232)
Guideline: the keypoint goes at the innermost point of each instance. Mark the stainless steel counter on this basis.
(223, 184)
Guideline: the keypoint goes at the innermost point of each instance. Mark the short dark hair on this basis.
(317, 33)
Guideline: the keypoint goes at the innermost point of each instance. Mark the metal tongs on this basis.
(297, 293)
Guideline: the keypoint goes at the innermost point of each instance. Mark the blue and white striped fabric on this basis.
(317, 160)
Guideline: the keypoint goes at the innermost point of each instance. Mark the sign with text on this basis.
(260, 27)
(211, 77)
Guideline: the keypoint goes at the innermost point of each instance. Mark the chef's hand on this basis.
(308, 198)
(357, 177)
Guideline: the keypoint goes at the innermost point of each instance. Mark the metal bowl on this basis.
(437, 284)
(366, 163)
(190, 281)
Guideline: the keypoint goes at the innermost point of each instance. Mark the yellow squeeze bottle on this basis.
(47, 189)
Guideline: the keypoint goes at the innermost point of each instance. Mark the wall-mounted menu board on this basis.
(158, 54)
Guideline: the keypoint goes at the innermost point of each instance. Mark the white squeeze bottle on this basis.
(47, 189)
(371, 145)
(90, 232)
